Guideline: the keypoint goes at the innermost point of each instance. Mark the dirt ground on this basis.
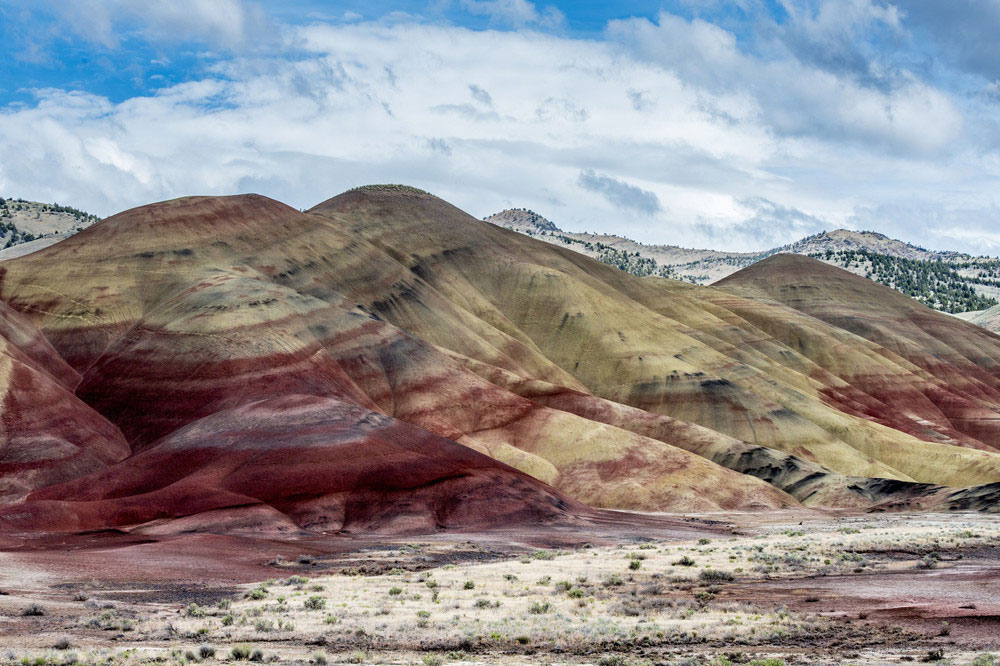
(800, 587)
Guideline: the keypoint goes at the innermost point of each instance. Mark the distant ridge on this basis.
(29, 226)
(948, 281)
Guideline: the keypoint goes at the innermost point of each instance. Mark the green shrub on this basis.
(613, 660)
(314, 603)
(240, 652)
(257, 593)
(715, 576)
(540, 608)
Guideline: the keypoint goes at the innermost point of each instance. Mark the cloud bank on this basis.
(686, 128)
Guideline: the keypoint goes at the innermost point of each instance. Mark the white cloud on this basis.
(226, 24)
(620, 193)
(792, 97)
(711, 140)
(517, 13)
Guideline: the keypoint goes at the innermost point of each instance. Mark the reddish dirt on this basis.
(297, 463)
(208, 560)
(963, 593)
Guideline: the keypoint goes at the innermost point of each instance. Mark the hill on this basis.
(947, 281)
(386, 362)
(38, 224)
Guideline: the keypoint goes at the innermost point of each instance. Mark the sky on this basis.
(738, 125)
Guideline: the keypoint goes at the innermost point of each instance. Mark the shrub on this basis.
(206, 651)
(704, 541)
(194, 610)
(314, 603)
(928, 562)
(685, 562)
(395, 591)
(240, 652)
(634, 564)
(613, 580)
(63, 643)
(540, 608)
(469, 585)
(257, 593)
(228, 619)
(34, 610)
(319, 658)
(715, 576)
(613, 660)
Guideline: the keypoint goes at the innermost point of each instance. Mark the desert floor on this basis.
(802, 588)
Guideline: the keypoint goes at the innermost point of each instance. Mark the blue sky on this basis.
(734, 125)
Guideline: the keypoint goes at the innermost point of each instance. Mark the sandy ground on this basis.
(803, 587)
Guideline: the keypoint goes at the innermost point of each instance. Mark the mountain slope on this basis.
(574, 311)
(297, 462)
(47, 435)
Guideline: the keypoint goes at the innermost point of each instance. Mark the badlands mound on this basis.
(386, 362)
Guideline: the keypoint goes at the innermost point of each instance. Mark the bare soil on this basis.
(803, 587)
